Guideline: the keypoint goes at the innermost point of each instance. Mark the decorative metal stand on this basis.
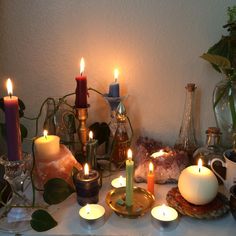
(82, 115)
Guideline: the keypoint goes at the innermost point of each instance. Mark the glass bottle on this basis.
(121, 140)
(186, 140)
(211, 150)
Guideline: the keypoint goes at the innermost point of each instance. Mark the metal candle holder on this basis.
(82, 116)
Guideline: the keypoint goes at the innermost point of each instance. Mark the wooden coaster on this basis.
(216, 208)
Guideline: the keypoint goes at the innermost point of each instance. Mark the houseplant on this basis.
(222, 56)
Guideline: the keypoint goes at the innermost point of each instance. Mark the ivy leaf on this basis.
(42, 221)
(101, 132)
(24, 132)
(3, 130)
(56, 190)
(219, 61)
(21, 108)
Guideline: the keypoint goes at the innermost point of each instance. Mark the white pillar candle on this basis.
(47, 147)
(198, 184)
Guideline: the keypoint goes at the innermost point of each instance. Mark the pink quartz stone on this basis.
(60, 167)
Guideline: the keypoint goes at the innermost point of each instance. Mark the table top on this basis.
(67, 216)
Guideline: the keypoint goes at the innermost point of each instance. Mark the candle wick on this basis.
(115, 80)
(81, 74)
(199, 169)
(10, 94)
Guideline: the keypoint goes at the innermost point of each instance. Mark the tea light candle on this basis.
(198, 184)
(114, 88)
(91, 151)
(87, 183)
(47, 147)
(13, 134)
(119, 182)
(150, 178)
(164, 217)
(92, 215)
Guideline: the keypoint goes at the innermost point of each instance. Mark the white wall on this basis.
(155, 43)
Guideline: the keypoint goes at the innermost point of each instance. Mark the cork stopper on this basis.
(190, 87)
(213, 130)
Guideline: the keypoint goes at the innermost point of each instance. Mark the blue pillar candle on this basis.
(114, 88)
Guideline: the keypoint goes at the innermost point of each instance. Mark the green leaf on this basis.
(101, 132)
(24, 132)
(56, 190)
(42, 221)
(221, 62)
(21, 108)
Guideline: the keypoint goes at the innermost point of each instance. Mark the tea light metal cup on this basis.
(92, 216)
(164, 218)
(118, 182)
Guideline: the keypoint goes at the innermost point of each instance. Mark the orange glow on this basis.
(116, 74)
(129, 154)
(159, 153)
(86, 169)
(9, 87)
(90, 135)
(82, 65)
(151, 167)
(199, 165)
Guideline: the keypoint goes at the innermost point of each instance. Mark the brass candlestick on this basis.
(82, 115)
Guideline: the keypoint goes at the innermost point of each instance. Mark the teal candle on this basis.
(129, 179)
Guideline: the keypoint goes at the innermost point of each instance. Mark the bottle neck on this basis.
(212, 139)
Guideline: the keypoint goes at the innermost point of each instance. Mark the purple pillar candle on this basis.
(114, 88)
(14, 150)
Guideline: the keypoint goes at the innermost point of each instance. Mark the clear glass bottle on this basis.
(186, 140)
(121, 140)
(211, 150)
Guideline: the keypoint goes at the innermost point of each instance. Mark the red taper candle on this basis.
(81, 89)
(150, 179)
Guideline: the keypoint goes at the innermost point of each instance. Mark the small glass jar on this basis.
(211, 150)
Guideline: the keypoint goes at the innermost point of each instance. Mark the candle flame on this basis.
(121, 180)
(45, 134)
(163, 209)
(9, 87)
(129, 154)
(151, 167)
(87, 209)
(90, 135)
(199, 165)
(82, 66)
(116, 74)
(86, 169)
(160, 153)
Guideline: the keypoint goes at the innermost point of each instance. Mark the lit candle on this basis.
(129, 179)
(119, 182)
(150, 179)
(92, 215)
(13, 134)
(92, 211)
(198, 184)
(87, 183)
(47, 147)
(114, 88)
(81, 89)
(164, 217)
(91, 151)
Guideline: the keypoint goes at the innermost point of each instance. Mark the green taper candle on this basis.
(129, 179)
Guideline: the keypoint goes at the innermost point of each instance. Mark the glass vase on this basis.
(15, 212)
(224, 100)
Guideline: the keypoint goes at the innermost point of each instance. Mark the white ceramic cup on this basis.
(230, 165)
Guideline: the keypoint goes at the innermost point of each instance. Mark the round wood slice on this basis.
(216, 208)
